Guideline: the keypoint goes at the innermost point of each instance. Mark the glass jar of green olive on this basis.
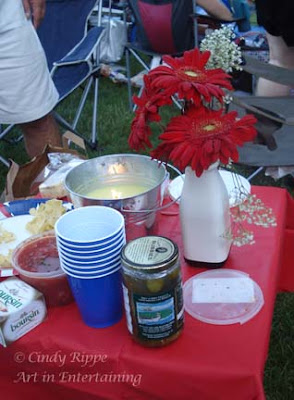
(152, 287)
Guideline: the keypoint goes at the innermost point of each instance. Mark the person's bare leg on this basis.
(282, 56)
(39, 133)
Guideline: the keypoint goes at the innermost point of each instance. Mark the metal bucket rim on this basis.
(121, 209)
(80, 166)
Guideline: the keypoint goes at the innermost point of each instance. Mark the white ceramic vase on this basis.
(205, 217)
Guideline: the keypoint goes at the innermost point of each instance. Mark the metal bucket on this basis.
(140, 211)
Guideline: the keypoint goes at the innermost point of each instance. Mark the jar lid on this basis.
(149, 253)
(222, 297)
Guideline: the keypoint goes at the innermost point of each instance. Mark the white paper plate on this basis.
(235, 195)
(17, 226)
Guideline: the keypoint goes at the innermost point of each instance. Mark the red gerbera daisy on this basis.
(140, 133)
(151, 99)
(148, 106)
(188, 77)
(203, 136)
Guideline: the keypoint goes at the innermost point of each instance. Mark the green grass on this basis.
(114, 125)
(279, 371)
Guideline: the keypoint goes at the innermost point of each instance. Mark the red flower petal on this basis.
(188, 77)
(203, 136)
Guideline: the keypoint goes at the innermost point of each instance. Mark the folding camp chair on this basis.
(162, 27)
(275, 115)
(275, 140)
(72, 52)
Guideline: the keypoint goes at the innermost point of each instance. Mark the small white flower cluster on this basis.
(258, 213)
(248, 209)
(240, 236)
(225, 53)
(252, 211)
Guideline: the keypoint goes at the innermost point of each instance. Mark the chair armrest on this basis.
(206, 18)
(262, 110)
(271, 72)
(83, 50)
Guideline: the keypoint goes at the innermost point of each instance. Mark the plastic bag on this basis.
(113, 40)
(23, 181)
(53, 186)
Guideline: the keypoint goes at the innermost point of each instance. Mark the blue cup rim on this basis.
(92, 254)
(94, 208)
(92, 266)
(68, 268)
(92, 277)
(99, 259)
(90, 247)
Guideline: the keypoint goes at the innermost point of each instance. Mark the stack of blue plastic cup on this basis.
(89, 241)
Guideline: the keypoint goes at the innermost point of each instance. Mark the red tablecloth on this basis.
(208, 362)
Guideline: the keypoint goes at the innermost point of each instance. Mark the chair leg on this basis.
(5, 131)
(72, 127)
(260, 169)
(82, 102)
(94, 137)
(4, 161)
(144, 65)
(64, 123)
(140, 60)
(127, 54)
(139, 95)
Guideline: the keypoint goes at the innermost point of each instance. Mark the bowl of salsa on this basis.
(36, 261)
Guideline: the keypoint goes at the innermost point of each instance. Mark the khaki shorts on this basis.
(27, 91)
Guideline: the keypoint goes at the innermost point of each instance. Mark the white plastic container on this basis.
(205, 217)
(229, 297)
(22, 308)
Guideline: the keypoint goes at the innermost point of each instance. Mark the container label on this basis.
(149, 250)
(161, 316)
(21, 322)
(14, 295)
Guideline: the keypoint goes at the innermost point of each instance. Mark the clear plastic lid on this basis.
(222, 297)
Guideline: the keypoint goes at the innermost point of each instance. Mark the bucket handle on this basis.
(161, 207)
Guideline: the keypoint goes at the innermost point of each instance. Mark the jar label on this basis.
(149, 250)
(161, 316)
(127, 309)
